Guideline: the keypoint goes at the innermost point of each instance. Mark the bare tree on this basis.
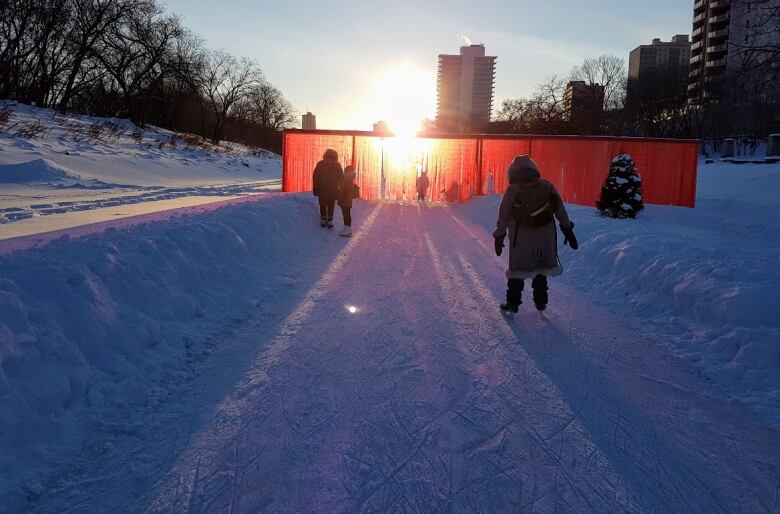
(130, 58)
(227, 80)
(91, 20)
(543, 113)
(134, 51)
(269, 109)
(608, 71)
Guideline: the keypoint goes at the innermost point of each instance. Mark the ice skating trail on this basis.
(426, 399)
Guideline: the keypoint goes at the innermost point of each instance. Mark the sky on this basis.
(355, 62)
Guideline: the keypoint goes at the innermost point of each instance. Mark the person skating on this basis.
(345, 199)
(528, 211)
(423, 183)
(327, 180)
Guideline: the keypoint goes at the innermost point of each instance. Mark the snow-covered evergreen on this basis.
(621, 194)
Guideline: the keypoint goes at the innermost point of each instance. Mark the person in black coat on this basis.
(327, 185)
(345, 199)
(422, 186)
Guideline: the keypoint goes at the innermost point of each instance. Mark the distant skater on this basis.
(348, 193)
(327, 182)
(528, 211)
(422, 186)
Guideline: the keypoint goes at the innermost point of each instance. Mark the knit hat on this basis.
(330, 155)
(523, 168)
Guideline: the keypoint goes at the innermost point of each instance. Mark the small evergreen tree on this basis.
(621, 194)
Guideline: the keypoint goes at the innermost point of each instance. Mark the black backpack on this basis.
(532, 206)
(355, 191)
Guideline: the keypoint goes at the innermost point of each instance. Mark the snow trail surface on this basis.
(426, 399)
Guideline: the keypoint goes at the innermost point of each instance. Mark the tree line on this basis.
(746, 104)
(131, 59)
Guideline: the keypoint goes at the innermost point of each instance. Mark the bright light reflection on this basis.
(352, 309)
(403, 97)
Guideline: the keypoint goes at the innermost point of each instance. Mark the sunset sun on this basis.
(403, 97)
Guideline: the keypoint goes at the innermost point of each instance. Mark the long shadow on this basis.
(130, 477)
(681, 475)
(628, 439)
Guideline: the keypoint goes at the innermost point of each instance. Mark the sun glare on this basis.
(403, 97)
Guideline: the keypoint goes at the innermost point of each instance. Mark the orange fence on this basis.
(462, 166)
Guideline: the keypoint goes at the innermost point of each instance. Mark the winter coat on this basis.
(423, 184)
(327, 177)
(347, 188)
(535, 249)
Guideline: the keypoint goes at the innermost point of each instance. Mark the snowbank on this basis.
(706, 279)
(92, 328)
(114, 151)
(37, 170)
(52, 164)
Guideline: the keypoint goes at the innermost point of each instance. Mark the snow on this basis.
(239, 358)
(705, 278)
(93, 330)
(79, 163)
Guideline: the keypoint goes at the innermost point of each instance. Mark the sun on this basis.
(403, 97)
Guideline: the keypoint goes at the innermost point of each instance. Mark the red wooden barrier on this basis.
(461, 166)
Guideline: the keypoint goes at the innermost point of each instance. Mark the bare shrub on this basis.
(30, 130)
(5, 116)
(171, 142)
(113, 131)
(94, 132)
(137, 135)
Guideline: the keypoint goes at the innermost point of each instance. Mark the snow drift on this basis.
(91, 329)
(37, 170)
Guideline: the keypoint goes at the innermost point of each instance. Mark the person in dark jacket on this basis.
(533, 251)
(327, 181)
(422, 186)
(345, 199)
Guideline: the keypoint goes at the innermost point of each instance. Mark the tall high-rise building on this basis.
(309, 121)
(659, 70)
(465, 87)
(723, 31)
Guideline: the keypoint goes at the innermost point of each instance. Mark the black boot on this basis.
(514, 295)
(540, 292)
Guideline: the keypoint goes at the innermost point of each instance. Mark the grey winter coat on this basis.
(535, 251)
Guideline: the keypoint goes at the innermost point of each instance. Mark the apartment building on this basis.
(465, 87)
(724, 33)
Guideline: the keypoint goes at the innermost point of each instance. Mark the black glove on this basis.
(568, 236)
(499, 246)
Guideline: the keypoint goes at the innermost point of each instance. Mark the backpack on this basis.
(355, 191)
(532, 206)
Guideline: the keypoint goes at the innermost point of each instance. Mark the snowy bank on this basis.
(52, 164)
(705, 279)
(92, 329)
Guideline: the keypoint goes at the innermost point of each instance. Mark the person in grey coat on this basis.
(533, 250)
